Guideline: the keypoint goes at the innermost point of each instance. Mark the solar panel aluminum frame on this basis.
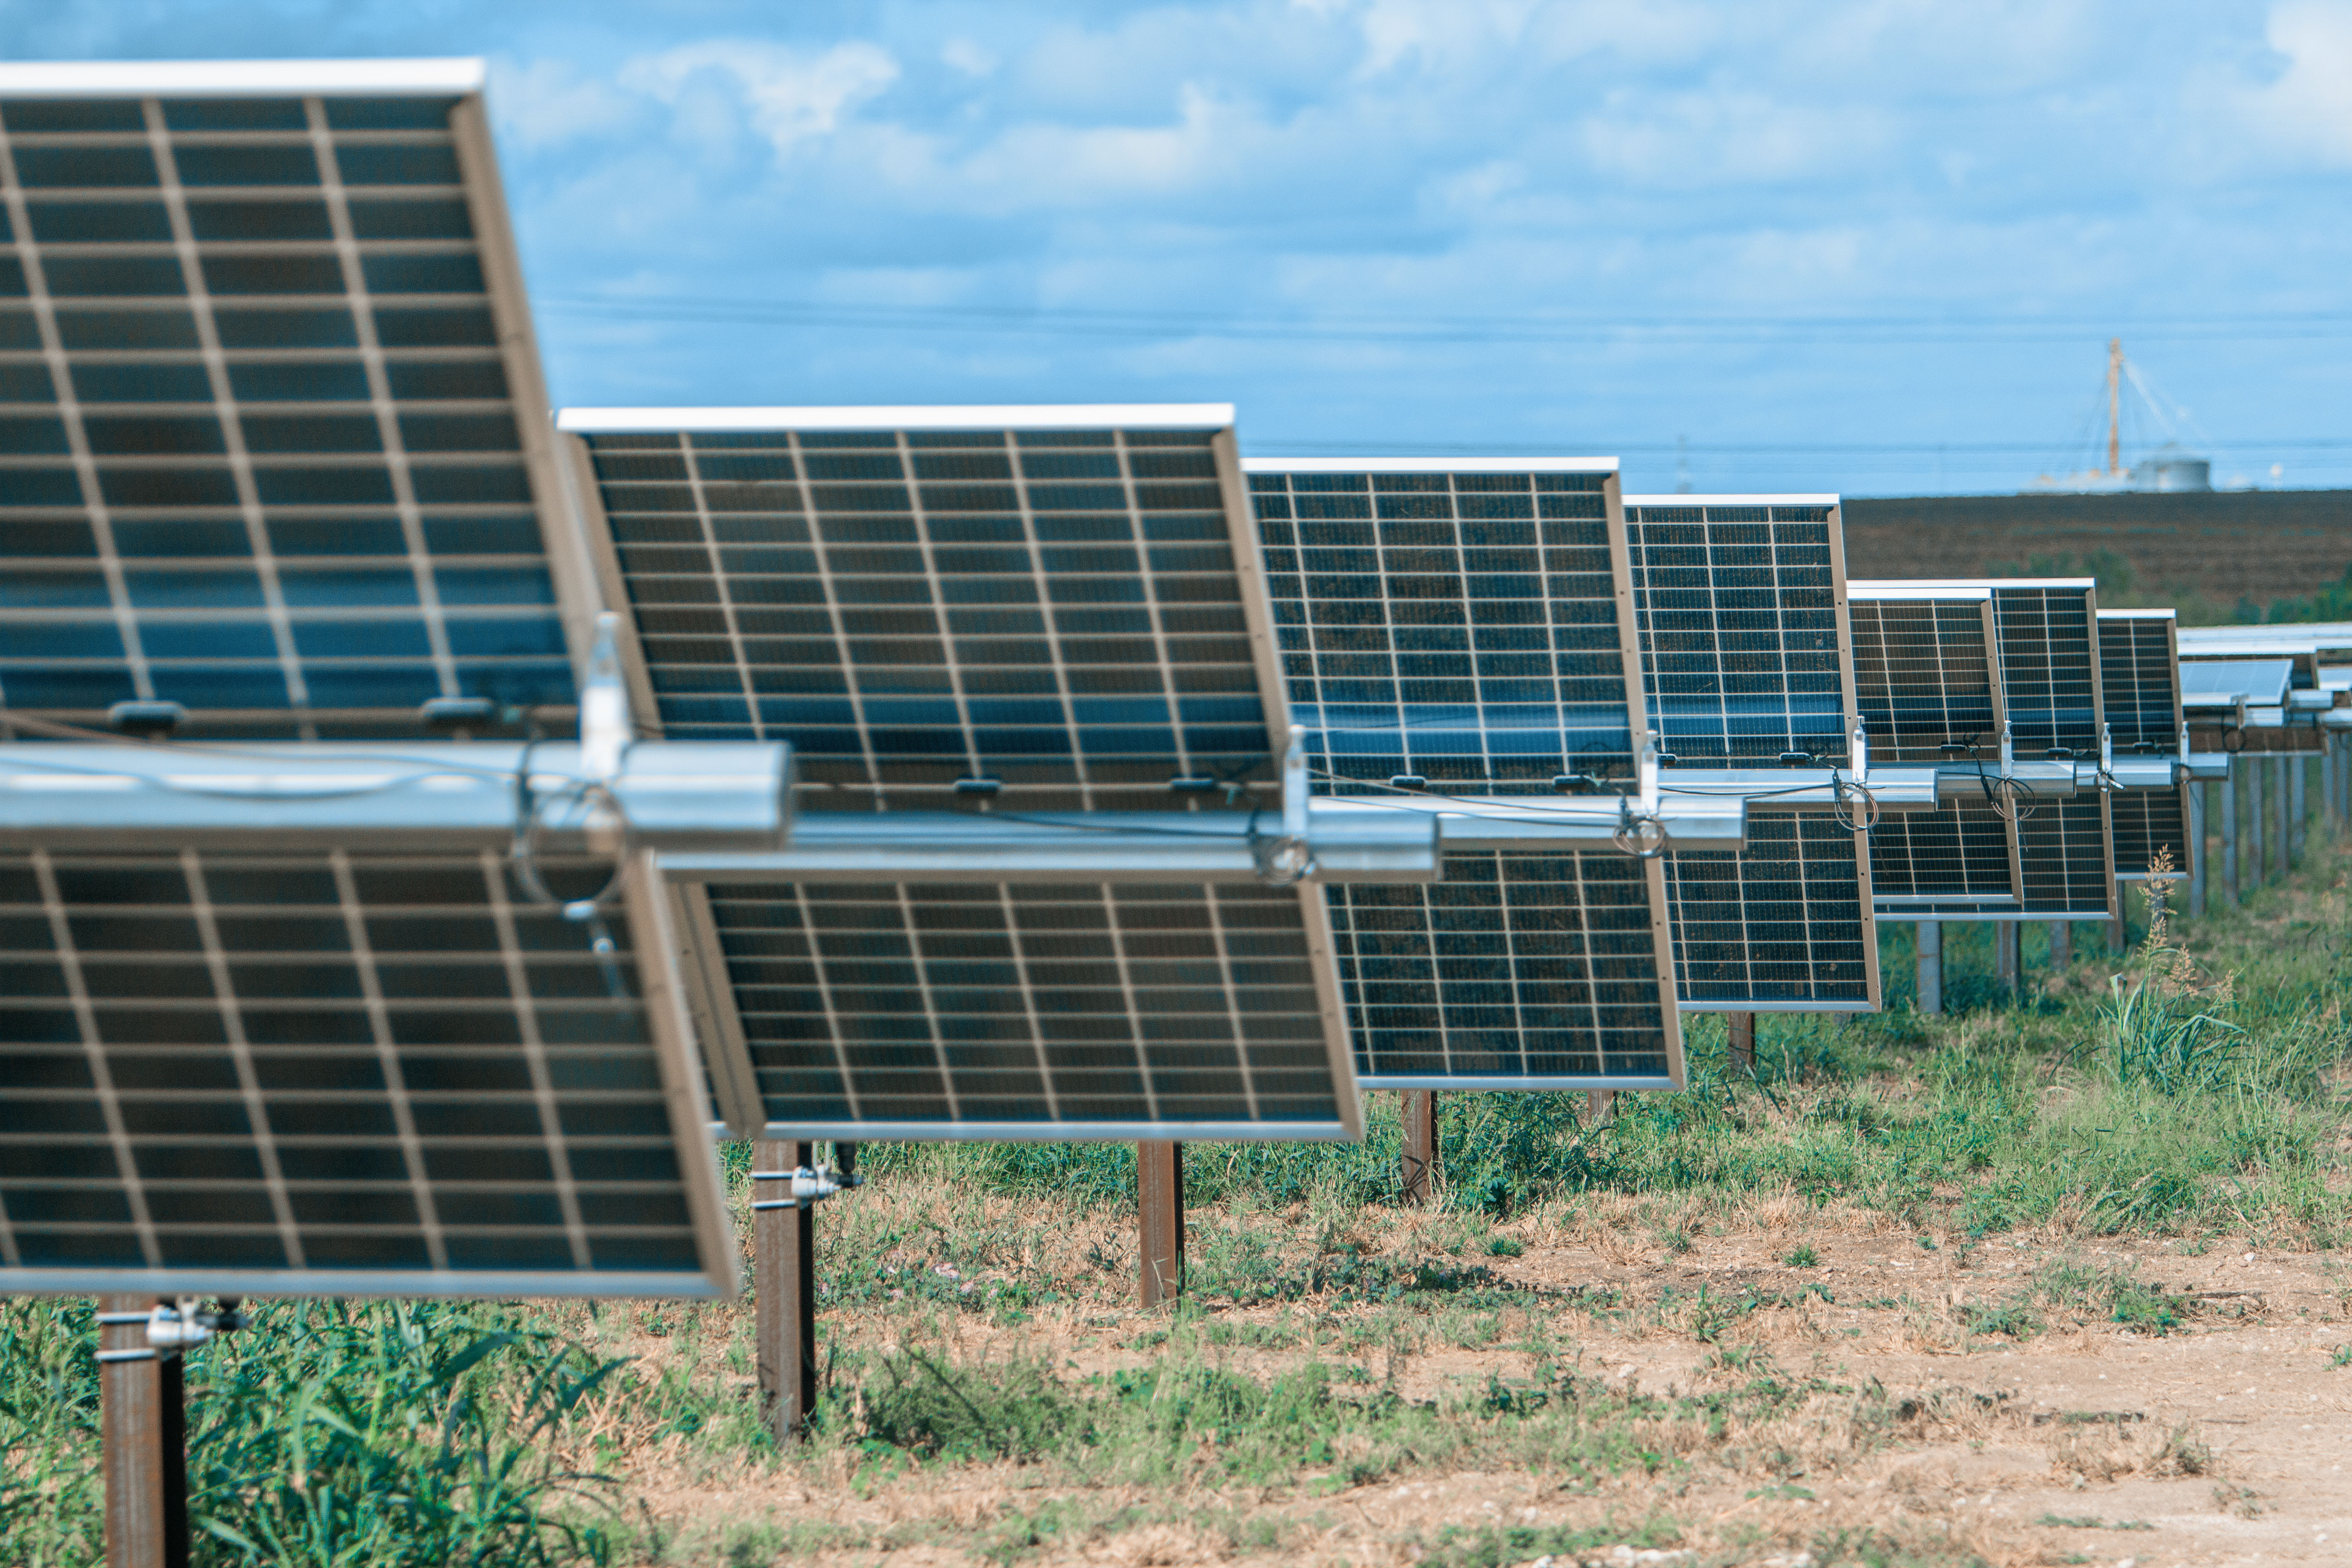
(663, 998)
(462, 80)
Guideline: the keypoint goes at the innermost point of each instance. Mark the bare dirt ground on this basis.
(1966, 1414)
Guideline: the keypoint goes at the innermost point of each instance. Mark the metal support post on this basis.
(1931, 966)
(785, 1283)
(2281, 861)
(1739, 1034)
(2257, 831)
(1160, 1220)
(1420, 1162)
(2062, 946)
(2004, 956)
(134, 1439)
(2230, 885)
(2196, 846)
(2119, 928)
(1598, 1104)
(2298, 770)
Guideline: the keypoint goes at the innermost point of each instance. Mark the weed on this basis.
(1803, 1257)
(2341, 1358)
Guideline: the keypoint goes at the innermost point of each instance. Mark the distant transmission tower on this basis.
(1682, 466)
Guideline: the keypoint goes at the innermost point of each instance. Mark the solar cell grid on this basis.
(1784, 923)
(1958, 861)
(1452, 622)
(2145, 821)
(1925, 677)
(340, 1073)
(2139, 680)
(2050, 679)
(2067, 858)
(1058, 611)
(1517, 971)
(261, 362)
(1740, 610)
(1044, 1011)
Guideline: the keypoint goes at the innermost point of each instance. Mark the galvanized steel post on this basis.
(2230, 830)
(784, 1288)
(2196, 837)
(1419, 1114)
(1160, 1220)
(134, 1452)
(1931, 966)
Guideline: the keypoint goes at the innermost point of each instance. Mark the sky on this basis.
(1875, 247)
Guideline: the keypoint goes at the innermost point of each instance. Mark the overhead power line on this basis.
(1539, 327)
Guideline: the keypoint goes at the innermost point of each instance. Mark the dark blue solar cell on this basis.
(37, 687)
(493, 585)
(446, 484)
(245, 163)
(315, 587)
(370, 686)
(44, 487)
(219, 686)
(36, 434)
(503, 637)
(54, 590)
(210, 638)
(228, 589)
(150, 537)
(513, 534)
(363, 639)
(337, 536)
(524, 682)
(69, 164)
(324, 380)
(73, 639)
(355, 484)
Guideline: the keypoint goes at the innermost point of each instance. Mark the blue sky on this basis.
(1870, 246)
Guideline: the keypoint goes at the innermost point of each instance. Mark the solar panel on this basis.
(1925, 675)
(1740, 602)
(2049, 667)
(271, 445)
(1451, 620)
(340, 1073)
(1959, 862)
(1783, 925)
(2139, 680)
(2067, 856)
(1517, 971)
(1464, 622)
(1026, 1011)
(1054, 608)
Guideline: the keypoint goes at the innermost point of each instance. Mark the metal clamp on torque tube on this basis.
(1642, 834)
(1286, 859)
(173, 1327)
(810, 1184)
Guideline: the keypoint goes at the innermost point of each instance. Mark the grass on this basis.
(989, 1389)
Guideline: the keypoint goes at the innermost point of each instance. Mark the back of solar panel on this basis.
(1460, 627)
(273, 440)
(1008, 611)
(1943, 665)
(1740, 604)
(2139, 678)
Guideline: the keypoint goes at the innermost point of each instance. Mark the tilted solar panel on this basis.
(1042, 607)
(2049, 666)
(1959, 862)
(272, 443)
(345, 1073)
(2139, 680)
(1038, 1011)
(1926, 676)
(1466, 623)
(1741, 606)
(2067, 858)
(1783, 925)
(1517, 971)
(1456, 621)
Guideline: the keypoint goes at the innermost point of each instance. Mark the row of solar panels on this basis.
(1059, 683)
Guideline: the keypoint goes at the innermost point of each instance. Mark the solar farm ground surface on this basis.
(1930, 1292)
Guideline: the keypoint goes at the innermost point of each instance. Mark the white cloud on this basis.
(2309, 106)
(548, 102)
(963, 55)
(789, 95)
